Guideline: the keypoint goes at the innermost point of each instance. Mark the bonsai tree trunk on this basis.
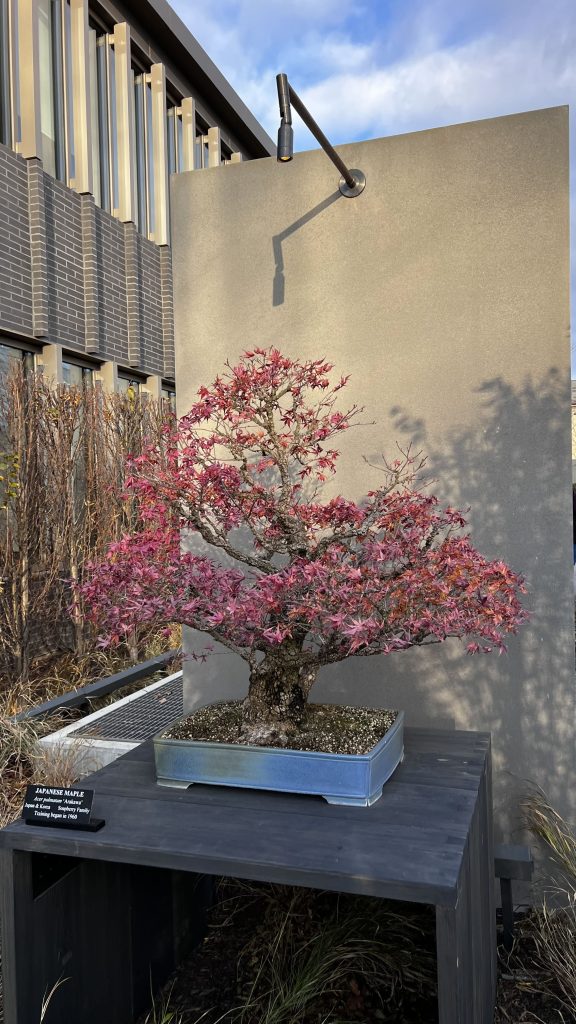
(276, 701)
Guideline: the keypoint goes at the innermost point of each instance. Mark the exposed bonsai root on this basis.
(268, 734)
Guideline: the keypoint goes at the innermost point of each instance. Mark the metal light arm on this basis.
(353, 181)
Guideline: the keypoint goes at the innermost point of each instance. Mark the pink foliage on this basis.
(267, 564)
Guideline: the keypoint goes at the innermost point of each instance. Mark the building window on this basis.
(69, 93)
(76, 375)
(179, 142)
(103, 110)
(10, 357)
(46, 71)
(112, 129)
(5, 119)
(141, 161)
(128, 385)
(95, 114)
(144, 154)
(150, 159)
(201, 150)
(168, 395)
(175, 140)
(171, 141)
(52, 103)
(9, 83)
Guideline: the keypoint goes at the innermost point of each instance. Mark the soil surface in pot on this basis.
(326, 728)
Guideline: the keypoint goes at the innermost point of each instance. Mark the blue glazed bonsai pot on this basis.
(355, 779)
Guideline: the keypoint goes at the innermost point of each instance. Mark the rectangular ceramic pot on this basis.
(355, 779)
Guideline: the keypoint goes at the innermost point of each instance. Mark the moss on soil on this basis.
(329, 728)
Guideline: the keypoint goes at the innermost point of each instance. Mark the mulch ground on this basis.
(217, 977)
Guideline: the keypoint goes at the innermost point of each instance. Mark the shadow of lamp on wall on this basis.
(279, 282)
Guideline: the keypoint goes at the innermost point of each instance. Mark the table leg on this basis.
(16, 918)
(455, 985)
(65, 930)
(107, 932)
(466, 933)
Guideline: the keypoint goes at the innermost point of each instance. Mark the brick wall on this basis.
(71, 274)
(15, 266)
(64, 264)
(112, 317)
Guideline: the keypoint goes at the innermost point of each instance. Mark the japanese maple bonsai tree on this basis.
(288, 579)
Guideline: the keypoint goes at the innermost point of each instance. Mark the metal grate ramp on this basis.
(140, 719)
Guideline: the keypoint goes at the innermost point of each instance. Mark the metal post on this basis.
(507, 913)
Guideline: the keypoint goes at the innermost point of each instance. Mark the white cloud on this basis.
(358, 87)
(259, 29)
(481, 79)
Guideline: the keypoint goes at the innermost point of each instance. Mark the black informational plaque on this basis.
(59, 807)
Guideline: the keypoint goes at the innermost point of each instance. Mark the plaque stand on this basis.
(87, 826)
(60, 807)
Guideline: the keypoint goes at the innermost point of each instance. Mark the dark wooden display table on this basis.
(109, 910)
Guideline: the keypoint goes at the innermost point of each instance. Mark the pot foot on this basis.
(354, 801)
(174, 783)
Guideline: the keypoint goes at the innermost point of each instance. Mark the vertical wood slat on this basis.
(82, 109)
(466, 933)
(124, 123)
(80, 921)
(188, 133)
(16, 922)
(488, 875)
(482, 941)
(83, 917)
(453, 994)
(214, 147)
(161, 225)
(478, 940)
(29, 79)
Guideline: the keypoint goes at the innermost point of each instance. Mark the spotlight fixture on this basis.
(352, 181)
(285, 150)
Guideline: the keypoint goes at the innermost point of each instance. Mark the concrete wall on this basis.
(443, 291)
(72, 275)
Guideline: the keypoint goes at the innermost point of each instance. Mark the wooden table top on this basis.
(407, 846)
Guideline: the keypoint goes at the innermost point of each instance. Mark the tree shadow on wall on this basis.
(509, 468)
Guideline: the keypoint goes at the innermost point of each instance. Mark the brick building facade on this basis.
(85, 261)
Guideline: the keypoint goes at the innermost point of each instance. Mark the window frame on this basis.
(89, 370)
(131, 378)
(5, 76)
(26, 353)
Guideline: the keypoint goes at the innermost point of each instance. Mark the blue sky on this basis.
(382, 67)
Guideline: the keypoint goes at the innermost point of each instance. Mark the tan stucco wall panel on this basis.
(443, 291)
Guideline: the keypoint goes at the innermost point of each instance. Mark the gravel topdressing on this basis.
(327, 728)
